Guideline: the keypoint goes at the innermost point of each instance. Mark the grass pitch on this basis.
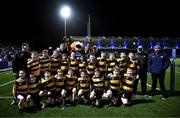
(141, 106)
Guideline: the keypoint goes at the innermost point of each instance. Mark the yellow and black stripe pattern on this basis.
(48, 83)
(74, 64)
(110, 65)
(102, 65)
(21, 86)
(114, 83)
(60, 82)
(33, 67)
(84, 83)
(70, 82)
(98, 83)
(127, 84)
(33, 87)
(123, 64)
(90, 68)
(64, 65)
(55, 64)
(82, 66)
(44, 63)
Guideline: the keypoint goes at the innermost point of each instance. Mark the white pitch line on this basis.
(6, 97)
(2, 70)
(6, 83)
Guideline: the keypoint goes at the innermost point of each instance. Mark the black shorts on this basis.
(86, 94)
(34, 95)
(126, 94)
(69, 93)
(53, 72)
(99, 93)
(53, 93)
(115, 93)
(58, 93)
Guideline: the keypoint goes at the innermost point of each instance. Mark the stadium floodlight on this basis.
(65, 12)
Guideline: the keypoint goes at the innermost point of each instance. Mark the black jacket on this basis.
(20, 61)
(143, 61)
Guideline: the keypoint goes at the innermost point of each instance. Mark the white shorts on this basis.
(28, 98)
(20, 97)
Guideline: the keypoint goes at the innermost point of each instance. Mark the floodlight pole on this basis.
(65, 26)
(65, 12)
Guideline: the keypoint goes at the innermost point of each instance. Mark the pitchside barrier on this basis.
(6, 69)
(3, 64)
(172, 73)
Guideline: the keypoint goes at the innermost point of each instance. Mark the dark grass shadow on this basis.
(104, 102)
(30, 110)
(134, 102)
(176, 93)
(168, 92)
(141, 101)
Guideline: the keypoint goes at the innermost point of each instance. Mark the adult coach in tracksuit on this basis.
(142, 57)
(158, 62)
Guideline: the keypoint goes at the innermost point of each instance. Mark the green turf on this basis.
(6, 76)
(141, 107)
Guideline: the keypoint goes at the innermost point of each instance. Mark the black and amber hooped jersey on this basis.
(55, 63)
(21, 86)
(102, 65)
(33, 86)
(84, 83)
(74, 64)
(123, 64)
(128, 84)
(70, 82)
(98, 82)
(91, 67)
(82, 65)
(44, 63)
(33, 67)
(64, 64)
(48, 83)
(111, 64)
(114, 82)
(134, 64)
(60, 82)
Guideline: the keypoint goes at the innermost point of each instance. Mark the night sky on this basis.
(38, 21)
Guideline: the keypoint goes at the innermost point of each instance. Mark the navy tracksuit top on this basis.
(158, 62)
